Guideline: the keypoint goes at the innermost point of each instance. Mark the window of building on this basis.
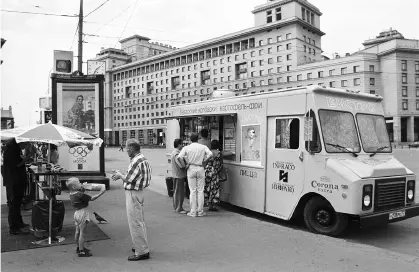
(371, 68)
(279, 38)
(404, 65)
(279, 59)
(417, 66)
(331, 72)
(404, 91)
(289, 57)
(299, 77)
(356, 69)
(279, 80)
(288, 67)
(372, 81)
(417, 104)
(279, 48)
(404, 104)
(344, 83)
(417, 78)
(261, 72)
(332, 84)
(260, 62)
(269, 50)
(404, 78)
(278, 14)
(269, 16)
(357, 81)
(343, 71)
(417, 91)
(260, 52)
(270, 61)
(279, 69)
(308, 75)
(372, 91)
(288, 46)
(289, 78)
(320, 74)
(288, 36)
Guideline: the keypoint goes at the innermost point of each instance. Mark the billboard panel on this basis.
(77, 105)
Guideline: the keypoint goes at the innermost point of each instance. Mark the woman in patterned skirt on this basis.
(212, 184)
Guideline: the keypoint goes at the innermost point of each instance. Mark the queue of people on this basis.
(200, 163)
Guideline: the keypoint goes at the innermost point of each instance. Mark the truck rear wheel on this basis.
(320, 217)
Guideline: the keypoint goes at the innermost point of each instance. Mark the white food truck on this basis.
(321, 153)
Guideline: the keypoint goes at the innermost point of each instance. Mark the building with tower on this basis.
(282, 50)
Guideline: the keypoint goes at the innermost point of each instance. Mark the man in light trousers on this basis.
(135, 181)
(196, 155)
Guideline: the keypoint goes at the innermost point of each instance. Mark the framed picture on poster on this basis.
(78, 104)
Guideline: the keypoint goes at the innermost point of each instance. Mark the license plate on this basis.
(395, 215)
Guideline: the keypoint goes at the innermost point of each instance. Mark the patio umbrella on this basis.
(51, 134)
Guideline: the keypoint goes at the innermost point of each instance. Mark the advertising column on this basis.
(78, 104)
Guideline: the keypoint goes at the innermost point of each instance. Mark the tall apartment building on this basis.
(282, 50)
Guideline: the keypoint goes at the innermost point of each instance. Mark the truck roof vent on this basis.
(223, 93)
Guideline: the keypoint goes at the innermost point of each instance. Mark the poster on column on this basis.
(78, 108)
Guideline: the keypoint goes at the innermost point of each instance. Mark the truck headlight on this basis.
(367, 197)
(410, 191)
(367, 200)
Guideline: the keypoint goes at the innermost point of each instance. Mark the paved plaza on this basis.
(232, 239)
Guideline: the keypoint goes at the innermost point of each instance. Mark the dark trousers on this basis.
(15, 195)
(178, 194)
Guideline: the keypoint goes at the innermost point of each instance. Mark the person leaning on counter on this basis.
(196, 155)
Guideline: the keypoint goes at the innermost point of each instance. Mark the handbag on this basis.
(222, 174)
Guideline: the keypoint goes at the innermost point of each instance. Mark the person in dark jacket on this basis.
(14, 178)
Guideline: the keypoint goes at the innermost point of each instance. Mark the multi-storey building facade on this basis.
(282, 50)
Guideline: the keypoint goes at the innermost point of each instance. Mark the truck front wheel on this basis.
(320, 217)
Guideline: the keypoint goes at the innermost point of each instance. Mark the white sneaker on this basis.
(191, 214)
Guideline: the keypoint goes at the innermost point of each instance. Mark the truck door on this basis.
(285, 171)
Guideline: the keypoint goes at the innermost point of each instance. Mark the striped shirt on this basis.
(139, 173)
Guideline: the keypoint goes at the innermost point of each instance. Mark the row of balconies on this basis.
(199, 58)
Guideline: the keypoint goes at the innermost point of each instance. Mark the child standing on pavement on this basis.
(80, 202)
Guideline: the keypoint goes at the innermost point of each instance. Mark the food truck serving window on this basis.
(339, 131)
(221, 128)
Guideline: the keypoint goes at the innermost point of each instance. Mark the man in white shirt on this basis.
(196, 155)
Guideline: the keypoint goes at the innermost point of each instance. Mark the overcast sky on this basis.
(31, 39)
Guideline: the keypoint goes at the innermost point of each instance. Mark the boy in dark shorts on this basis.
(80, 202)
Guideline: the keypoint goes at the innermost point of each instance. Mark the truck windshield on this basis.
(339, 131)
(374, 136)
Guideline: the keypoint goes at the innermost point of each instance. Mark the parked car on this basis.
(415, 144)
